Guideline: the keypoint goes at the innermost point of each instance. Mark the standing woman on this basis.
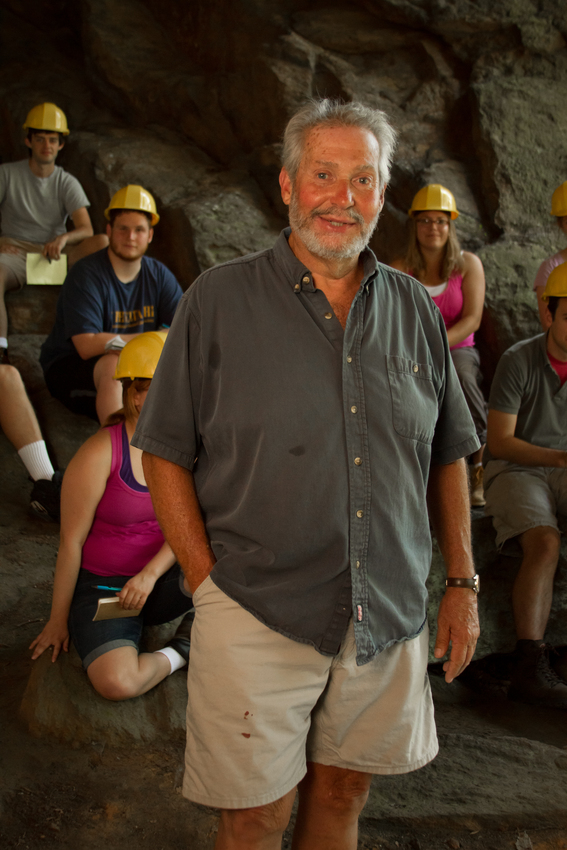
(455, 281)
(559, 210)
(110, 538)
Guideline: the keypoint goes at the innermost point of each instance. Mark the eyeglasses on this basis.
(429, 222)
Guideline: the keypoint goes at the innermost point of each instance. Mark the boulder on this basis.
(60, 702)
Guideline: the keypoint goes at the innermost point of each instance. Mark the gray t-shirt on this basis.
(35, 209)
(527, 385)
(312, 444)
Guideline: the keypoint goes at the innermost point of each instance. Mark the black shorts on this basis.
(168, 600)
(70, 381)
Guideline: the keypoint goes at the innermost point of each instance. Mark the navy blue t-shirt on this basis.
(94, 300)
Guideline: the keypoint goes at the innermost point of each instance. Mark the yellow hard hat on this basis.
(559, 200)
(434, 197)
(556, 283)
(47, 116)
(134, 198)
(139, 357)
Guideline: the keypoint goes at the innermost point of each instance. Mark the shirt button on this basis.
(328, 315)
(360, 514)
(358, 565)
(358, 461)
(354, 409)
(416, 368)
(297, 287)
(349, 359)
(305, 279)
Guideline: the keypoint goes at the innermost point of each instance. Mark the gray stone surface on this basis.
(191, 103)
(59, 702)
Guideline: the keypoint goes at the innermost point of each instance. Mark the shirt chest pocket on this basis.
(414, 399)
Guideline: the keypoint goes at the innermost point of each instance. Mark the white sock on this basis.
(175, 659)
(3, 342)
(36, 460)
(476, 465)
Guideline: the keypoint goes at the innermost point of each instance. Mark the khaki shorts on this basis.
(522, 497)
(16, 263)
(261, 705)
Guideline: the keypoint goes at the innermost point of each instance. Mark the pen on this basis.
(104, 587)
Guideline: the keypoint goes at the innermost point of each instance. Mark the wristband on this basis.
(468, 583)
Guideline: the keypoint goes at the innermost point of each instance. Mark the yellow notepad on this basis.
(40, 270)
(109, 609)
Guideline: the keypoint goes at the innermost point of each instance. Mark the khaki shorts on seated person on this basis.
(260, 705)
(16, 263)
(522, 497)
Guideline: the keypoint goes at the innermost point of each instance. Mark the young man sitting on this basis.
(36, 198)
(526, 486)
(108, 298)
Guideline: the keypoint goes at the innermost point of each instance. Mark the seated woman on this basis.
(559, 210)
(455, 281)
(110, 538)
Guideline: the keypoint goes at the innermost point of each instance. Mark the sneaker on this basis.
(45, 500)
(4, 355)
(534, 680)
(181, 640)
(476, 485)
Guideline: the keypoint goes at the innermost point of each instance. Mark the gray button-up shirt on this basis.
(311, 444)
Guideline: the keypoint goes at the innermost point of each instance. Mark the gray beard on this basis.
(352, 248)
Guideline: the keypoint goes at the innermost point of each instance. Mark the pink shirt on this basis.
(546, 268)
(125, 534)
(450, 302)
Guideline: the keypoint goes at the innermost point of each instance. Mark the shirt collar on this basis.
(300, 277)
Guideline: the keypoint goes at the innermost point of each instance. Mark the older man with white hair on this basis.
(304, 412)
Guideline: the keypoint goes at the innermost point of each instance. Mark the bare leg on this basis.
(476, 457)
(17, 417)
(108, 391)
(330, 801)
(86, 247)
(8, 282)
(123, 674)
(257, 828)
(533, 588)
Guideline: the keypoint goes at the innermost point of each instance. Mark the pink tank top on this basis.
(125, 534)
(450, 302)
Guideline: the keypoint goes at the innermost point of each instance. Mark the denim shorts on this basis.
(167, 601)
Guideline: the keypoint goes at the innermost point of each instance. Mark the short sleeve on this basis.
(73, 195)
(170, 295)
(167, 426)
(508, 385)
(82, 305)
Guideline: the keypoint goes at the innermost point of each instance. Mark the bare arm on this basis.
(92, 345)
(503, 445)
(473, 300)
(81, 230)
(179, 514)
(82, 490)
(138, 588)
(449, 511)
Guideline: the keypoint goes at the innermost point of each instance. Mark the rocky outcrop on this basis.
(59, 702)
(191, 102)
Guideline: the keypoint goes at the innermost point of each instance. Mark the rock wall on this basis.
(190, 100)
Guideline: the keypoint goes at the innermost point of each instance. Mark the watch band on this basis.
(469, 583)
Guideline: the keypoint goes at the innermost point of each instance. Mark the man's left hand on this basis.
(457, 624)
(52, 250)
